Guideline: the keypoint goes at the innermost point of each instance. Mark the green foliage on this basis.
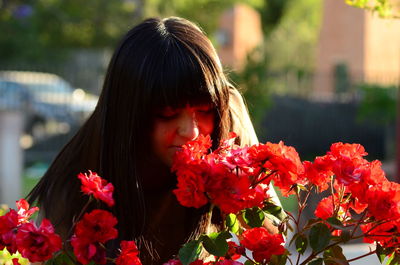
(378, 103)
(384, 8)
(318, 261)
(275, 210)
(39, 27)
(319, 237)
(6, 258)
(232, 223)
(334, 256)
(190, 252)
(215, 243)
(254, 217)
(301, 243)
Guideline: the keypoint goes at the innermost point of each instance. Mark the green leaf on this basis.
(394, 259)
(380, 252)
(318, 261)
(294, 237)
(275, 210)
(311, 223)
(278, 260)
(215, 243)
(254, 217)
(335, 223)
(190, 252)
(249, 262)
(301, 244)
(345, 235)
(334, 255)
(232, 223)
(61, 259)
(319, 237)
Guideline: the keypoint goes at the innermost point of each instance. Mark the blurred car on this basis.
(44, 97)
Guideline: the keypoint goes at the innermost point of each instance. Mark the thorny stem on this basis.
(358, 224)
(264, 178)
(80, 215)
(301, 208)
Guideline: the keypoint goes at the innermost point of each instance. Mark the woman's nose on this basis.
(188, 126)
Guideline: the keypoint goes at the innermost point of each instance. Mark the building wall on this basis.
(341, 40)
(239, 33)
(382, 49)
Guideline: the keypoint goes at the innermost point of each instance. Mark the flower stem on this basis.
(362, 256)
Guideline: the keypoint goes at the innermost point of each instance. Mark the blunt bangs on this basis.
(183, 79)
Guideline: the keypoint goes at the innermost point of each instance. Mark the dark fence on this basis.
(311, 127)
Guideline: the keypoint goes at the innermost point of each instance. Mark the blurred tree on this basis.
(290, 37)
(33, 29)
(384, 8)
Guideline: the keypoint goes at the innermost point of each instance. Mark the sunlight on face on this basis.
(174, 127)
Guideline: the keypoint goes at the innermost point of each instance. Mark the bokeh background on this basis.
(313, 72)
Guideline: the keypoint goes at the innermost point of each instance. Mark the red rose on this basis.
(384, 201)
(94, 184)
(37, 243)
(282, 159)
(86, 251)
(317, 173)
(190, 190)
(386, 234)
(326, 208)
(234, 251)
(262, 243)
(129, 254)
(98, 226)
(8, 225)
(24, 213)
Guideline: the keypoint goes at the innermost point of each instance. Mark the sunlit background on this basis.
(313, 72)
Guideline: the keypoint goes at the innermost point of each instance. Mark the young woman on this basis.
(164, 86)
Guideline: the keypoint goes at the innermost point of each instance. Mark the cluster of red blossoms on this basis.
(91, 232)
(360, 187)
(17, 233)
(234, 178)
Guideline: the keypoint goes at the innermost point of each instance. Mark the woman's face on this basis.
(174, 127)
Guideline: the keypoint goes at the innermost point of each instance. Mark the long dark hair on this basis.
(168, 62)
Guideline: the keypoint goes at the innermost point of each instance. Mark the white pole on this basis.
(11, 156)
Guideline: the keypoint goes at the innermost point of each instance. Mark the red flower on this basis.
(386, 234)
(129, 254)
(281, 159)
(232, 193)
(234, 251)
(326, 208)
(318, 173)
(37, 243)
(191, 151)
(347, 162)
(24, 213)
(262, 243)
(8, 225)
(86, 251)
(93, 184)
(15, 261)
(384, 201)
(98, 226)
(191, 187)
